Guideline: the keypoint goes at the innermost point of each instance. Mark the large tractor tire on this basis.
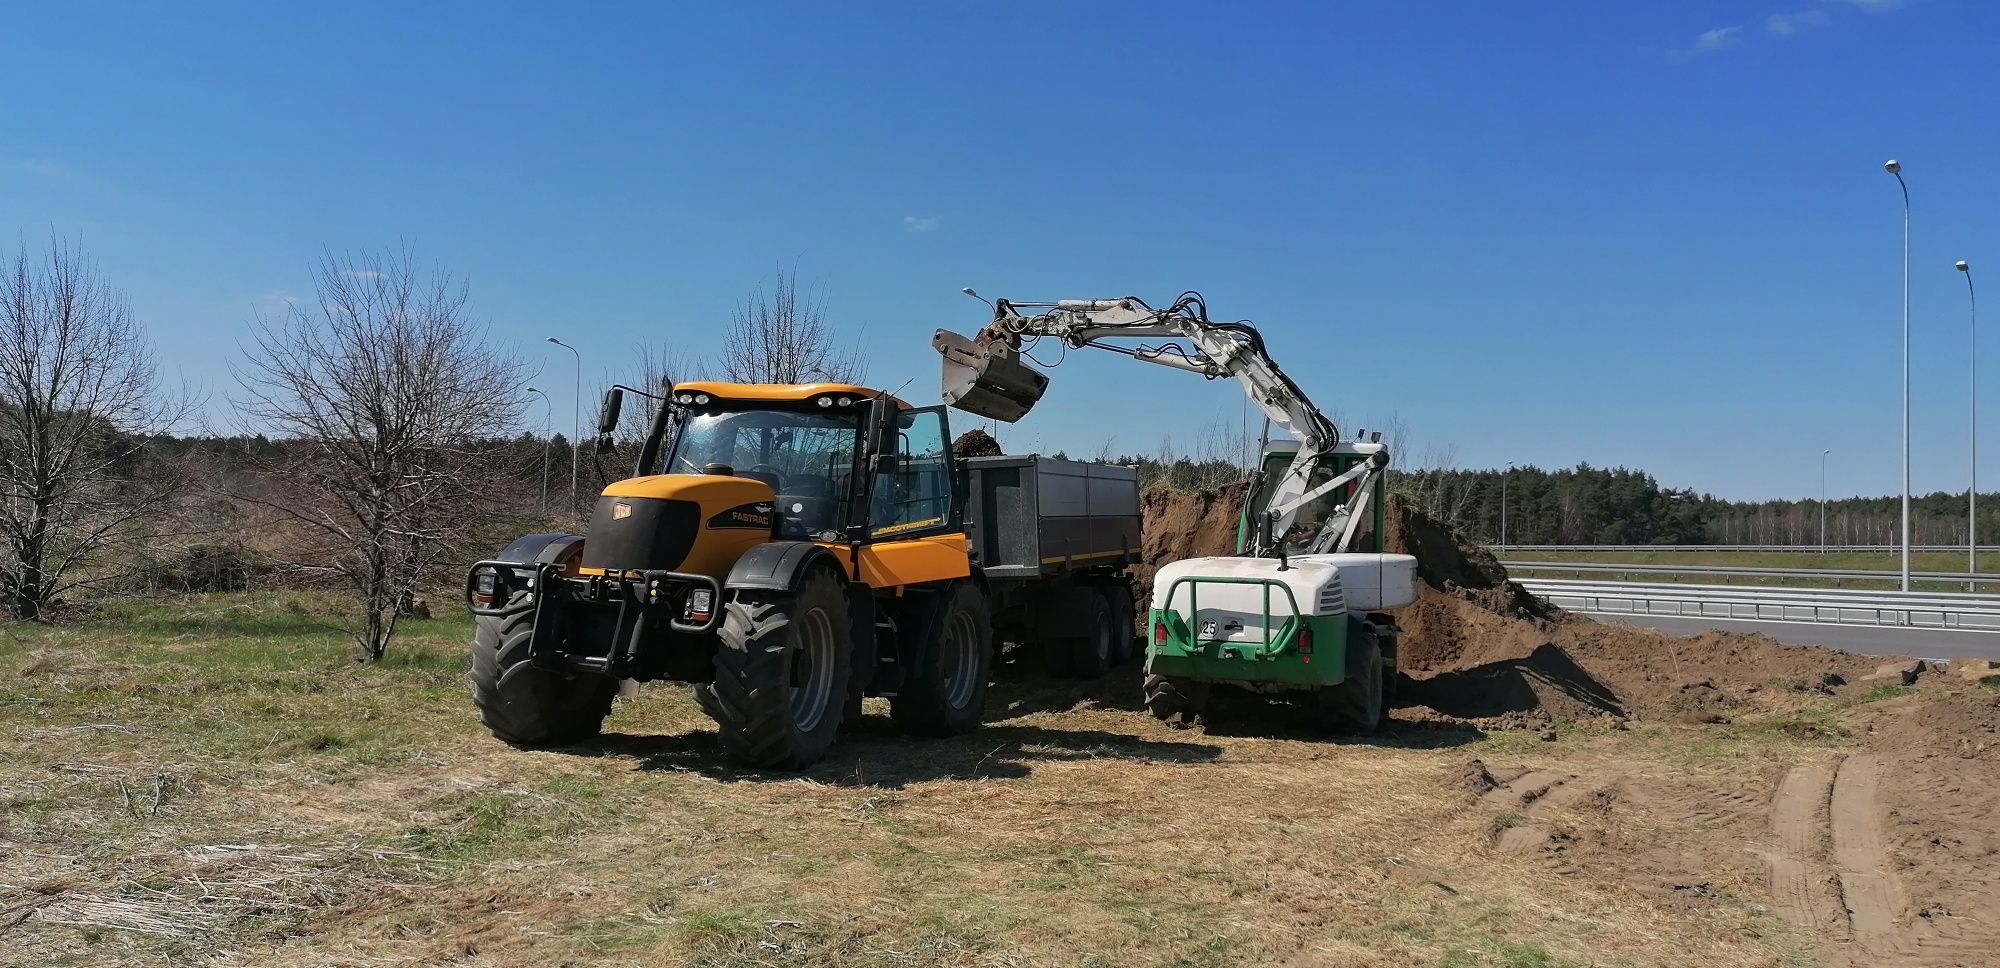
(1174, 700)
(781, 673)
(945, 694)
(1355, 706)
(524, 704)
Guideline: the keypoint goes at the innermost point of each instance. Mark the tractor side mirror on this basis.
(607, 418)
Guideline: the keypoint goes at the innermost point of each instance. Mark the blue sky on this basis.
(1652, 234)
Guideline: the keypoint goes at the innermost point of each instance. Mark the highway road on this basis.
(1866, 639)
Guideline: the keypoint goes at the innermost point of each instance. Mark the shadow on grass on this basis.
(874, 753)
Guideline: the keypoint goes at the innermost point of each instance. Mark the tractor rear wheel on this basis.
(946, 693)
(781, 673)
(1174, 700)
(524, 704)
(1355, 706)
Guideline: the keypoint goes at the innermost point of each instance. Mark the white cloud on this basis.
(921, 224)
(1875, 6)
(1787, 24)
(1717, 39)
(365, 275)
(37, 167)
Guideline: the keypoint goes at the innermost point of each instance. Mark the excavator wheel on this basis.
(524, 704)
(1355, 705)
(1174, 700)
(946, 694)
(781, 673)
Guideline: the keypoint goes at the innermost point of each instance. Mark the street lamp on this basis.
(548, 412)
(1972, 488)
(1895, 168)
(1504, 475)
(576, 421)
(1822, 500)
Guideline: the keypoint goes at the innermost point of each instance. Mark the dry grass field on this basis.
(211, 782)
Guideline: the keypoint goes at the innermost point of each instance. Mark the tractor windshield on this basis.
(807, 457)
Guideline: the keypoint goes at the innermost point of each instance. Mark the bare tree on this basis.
(78, 399)
(387, 398)
(783, 337)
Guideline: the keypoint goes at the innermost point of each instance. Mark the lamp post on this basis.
(1972, 487)
(1895, 168)
(576, 420)
(1822, 500)
(548, 412)
(1504, 475)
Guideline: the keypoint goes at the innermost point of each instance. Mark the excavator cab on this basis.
(985, 377)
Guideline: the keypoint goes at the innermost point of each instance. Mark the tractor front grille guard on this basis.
(691, 603)
(1274, 644)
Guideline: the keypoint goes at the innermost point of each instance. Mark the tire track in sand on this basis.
(1867, 882)
(1802, 800)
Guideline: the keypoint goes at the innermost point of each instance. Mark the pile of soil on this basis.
(975, 443)
(1479, 647)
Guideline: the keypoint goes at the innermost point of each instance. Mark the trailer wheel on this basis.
(1174, 700)
(1124, 631)
(1355, 706)
(946, 693)
(781, 673)
(1093, 654)
(527, 705)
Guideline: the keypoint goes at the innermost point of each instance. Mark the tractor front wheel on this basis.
(781, 673)
(524, 704)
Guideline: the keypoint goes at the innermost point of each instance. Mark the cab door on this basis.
(916, 529)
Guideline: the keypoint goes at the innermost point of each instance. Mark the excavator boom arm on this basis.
(985, 376)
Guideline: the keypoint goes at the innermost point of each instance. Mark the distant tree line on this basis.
(1594, 505)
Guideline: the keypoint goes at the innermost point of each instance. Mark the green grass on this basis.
(224, 754)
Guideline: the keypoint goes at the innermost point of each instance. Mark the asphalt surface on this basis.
(1865, 639)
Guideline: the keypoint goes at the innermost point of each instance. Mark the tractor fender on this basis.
(780, 565)
(540, 549)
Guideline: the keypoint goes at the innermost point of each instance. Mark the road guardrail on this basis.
(1744, 571)
(1817, 606)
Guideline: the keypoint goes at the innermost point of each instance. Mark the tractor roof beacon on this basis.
(1300, 607)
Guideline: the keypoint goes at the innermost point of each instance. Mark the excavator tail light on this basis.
(987, 379)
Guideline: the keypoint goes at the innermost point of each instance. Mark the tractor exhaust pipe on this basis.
(986, 377)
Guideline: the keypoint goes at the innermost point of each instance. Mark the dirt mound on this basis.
(1479, 646)
(1184, 524)
(975, 443)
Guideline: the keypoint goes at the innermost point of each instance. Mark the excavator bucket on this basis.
(987, 377)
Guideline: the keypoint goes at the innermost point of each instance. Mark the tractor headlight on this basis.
(847, 401)
(684, 398)
(701, 399)
(824, 402)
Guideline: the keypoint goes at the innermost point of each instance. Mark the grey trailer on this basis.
(1055, 539)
